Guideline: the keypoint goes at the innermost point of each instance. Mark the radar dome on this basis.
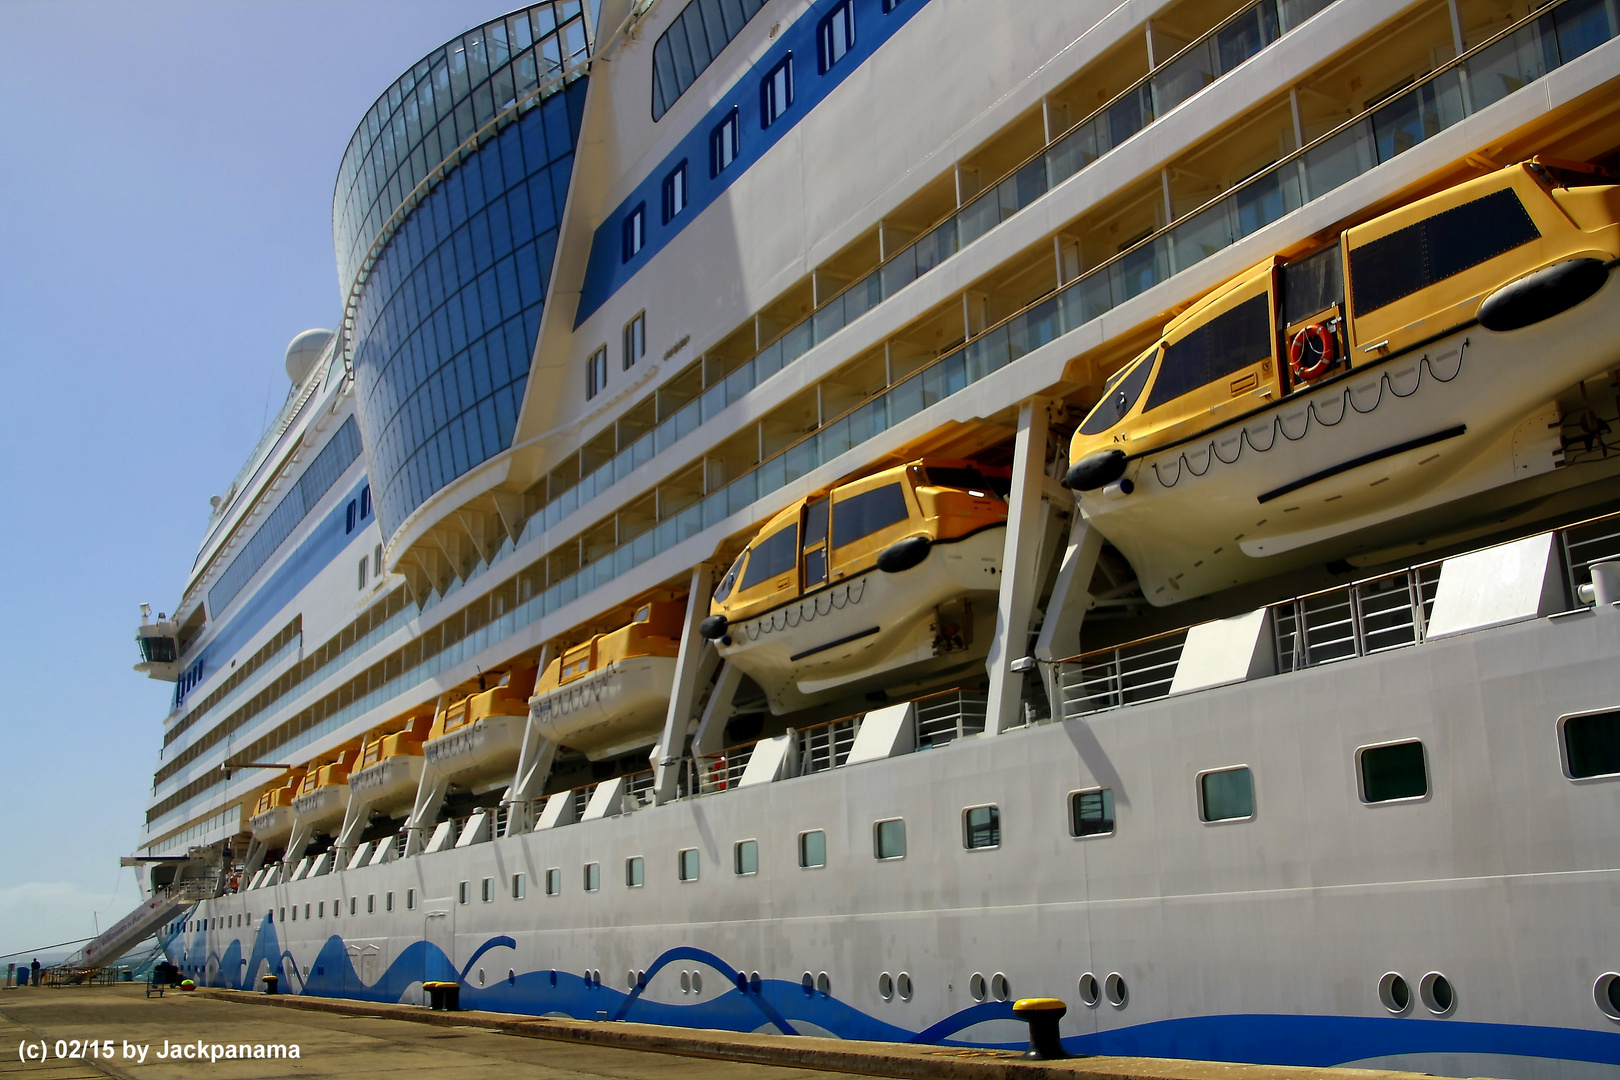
(303, 352)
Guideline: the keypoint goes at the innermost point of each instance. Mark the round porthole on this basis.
(754, 983)
(1607, 993)
(1438, 996)
(1116, 990)
(1394, 993)
(480, 976)
(596, 976)
(697, 982)
(630, 980)
(511, 976)
(1090, 990)
(902, 985)
(686, 982)
(999, 987)
(886, 986)
(824, 984)
(742, 982)
(641, 980)
(977, 987)
(808, 981)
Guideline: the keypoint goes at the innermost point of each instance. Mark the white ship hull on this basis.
(608, 712)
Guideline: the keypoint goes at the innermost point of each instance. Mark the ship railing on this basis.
(1584, 544)
(825, 746)
(1128, 674)
(639, 789)
(723, 771)
(945, 717)
(1366, 617)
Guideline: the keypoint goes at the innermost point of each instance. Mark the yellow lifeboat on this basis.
(879, 583)
(323, 796)
(390, 767)
(1411, 364)
(272, 821)
(610, 694)
(476, 741)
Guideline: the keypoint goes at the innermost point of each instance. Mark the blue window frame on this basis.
(723, 144)
(674, 192)
(365, 502)
(350, 517)
(776, 92)
(835, 35)
(635, 231)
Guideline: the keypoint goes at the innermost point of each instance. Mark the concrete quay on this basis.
(347, 1040)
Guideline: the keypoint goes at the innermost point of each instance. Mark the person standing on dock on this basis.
(33, 971)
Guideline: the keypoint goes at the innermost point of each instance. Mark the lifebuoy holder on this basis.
(1312, 351)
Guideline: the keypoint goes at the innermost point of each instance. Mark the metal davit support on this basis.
(693, 667)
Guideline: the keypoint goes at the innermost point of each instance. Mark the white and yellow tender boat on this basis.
(323, 796)
(609, 695)
(1410, 364)
(879, 583)
(476, 741)
(272, 820)
(390, 767)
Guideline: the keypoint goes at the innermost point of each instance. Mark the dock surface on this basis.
(346, 1040)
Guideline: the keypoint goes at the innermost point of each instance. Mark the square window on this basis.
(723, 145)
(835, 35)
(889, 839)
(520, 887)
(674, 192)
(463, 892)
(596, 373)
(1591, 745)
(635, 340)
(776, 92)
(635, 872)
(1393, 772)
(635, 231)
(487, 892)
(686, 865)
(554, 881)
(410, 899)
(593, 877)
(1226, 794)
(813, 849)
(981, 827)
(745, 857)
(1091, 813)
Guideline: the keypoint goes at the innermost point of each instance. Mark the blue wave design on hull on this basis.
(1279, 1039)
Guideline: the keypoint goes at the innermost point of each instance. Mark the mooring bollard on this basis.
(270, 983)
(1042, 1015)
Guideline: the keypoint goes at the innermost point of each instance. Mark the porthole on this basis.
(1116, 990)
(1394, 993)
(480, 976)
(1090, 991)
(754, 983)
(977, 987)
(742, 982)
(886, 986)
(641, 980)
(686, 982)
(808, 981)
(511, 976)
(999, 987)
(697, 982)
(630, 980)
(824, 984)
(1607, 993)
(1437, 994)
(902, 986)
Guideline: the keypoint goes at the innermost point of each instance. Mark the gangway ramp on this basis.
(129, 931)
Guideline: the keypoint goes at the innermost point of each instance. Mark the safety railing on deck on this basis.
(1124, 675)
(1367, 617)
(944, 718)
(825, 746)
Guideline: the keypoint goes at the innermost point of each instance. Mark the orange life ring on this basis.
(1325, 352)
(717, 774)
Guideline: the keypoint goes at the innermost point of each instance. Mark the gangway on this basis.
(128, 932)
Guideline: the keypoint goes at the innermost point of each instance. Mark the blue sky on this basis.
(165, 230)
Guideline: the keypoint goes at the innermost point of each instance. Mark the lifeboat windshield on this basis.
(729, 582)
(1120, 393)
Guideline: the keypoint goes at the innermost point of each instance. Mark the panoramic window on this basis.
(1229, 342)
(689, 46)
(889, 839)
(596, 373)
(862, 515)
(635, 872)
(674, 192)
(745, 857)
(723, 144)
(635, 340)
(981, 827)
(686, 865)
(1592, 745)
(635, 232)
(1385, 270)
(1091, 813)
(1226, 794)
(777, 554)
(812, 848)
(776, 92)
(835, 35)
(1393, 772)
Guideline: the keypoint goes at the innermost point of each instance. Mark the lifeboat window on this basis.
(1226, 344)
(864, 514)
(729, 580)
(815, 543)
(967, 478)
(1312, 285)
(1384, 270)
(1120, 395)
(777, 554)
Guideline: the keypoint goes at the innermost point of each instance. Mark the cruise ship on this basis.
(834, 516)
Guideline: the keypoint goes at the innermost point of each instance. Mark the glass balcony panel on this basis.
(1032, 329)
(899, 271)
(975, 219)
(799, 460)
(906, 399)
(712, 401)
(987, 353)
(829, 320)
(1177, 81)
(742, 492)
(1340, 159)
(1295, 12)
(1072, 153)
(1246, 35)
(1499, 70)
(739, 382)
(1139, 270)
(772, 475)
(1581, 26)
(715, 508)
(798, 341)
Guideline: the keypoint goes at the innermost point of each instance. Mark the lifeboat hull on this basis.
(274, 826)
(388, 787)
(611, 710)
(481, 754)
(874, 630)
(324, 807)
(1468, 413)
